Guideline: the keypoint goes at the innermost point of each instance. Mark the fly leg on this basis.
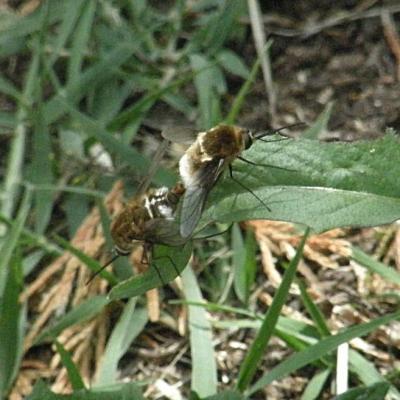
(178, 273)
(246, 188)
(148, 249)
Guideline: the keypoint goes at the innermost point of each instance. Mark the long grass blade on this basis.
(256, 352)
(204, 380)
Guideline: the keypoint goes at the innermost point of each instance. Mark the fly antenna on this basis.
(112, 259)
(260, 135)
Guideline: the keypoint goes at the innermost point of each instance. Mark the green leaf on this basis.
(80, 40)
(328, 185)
(256, 351)
(166, 263)
(313, 310)
(10, 241)
(127, 391)
(226, 395)
(41, 170)
(226, 22)
(233, 63)
(69, 16)
(204, 83)
(377, 391)
(239, 256)
(367, 372)
(12, 326)
(244, 261)
(315, 386)
(13, 35)
(375, 266)
(7, 120)
(137, 111)
(76, 208)
(96, 74)
(81, 313)
(204, 369)
(133, 157)
(73, 373)
(129, 326)
(15, 162)
(323, 347)
(8, 88)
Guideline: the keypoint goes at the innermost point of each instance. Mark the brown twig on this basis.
(392, 38)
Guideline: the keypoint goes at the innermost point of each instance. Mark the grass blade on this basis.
(204, 369)
(94, 75)
(80, 41)
(126, 391)
(11, 240)
(12, 326)
(375, 266)
(244, 90)
(70, 16)
(315, 386)
(128, 327)
(203, 81)
(320, 125)
(313, 310)
(72, 370)
(256, 352)
(126, 153)
(367, 373)
(377, 391)
(83, 312)
(15, 161)
(238, 259)
(41, 170)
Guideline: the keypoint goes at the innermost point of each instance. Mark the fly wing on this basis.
(196, 195)
(163, 231)
(180, 134)
(145, 183)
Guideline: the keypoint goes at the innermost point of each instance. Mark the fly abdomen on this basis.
(162, 203)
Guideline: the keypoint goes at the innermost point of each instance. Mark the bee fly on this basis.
(148, 217)
(200, 167)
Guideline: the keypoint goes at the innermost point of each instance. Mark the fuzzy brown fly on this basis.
(209, 154)
(147, 218)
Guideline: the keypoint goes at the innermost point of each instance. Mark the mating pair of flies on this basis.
(150, 216)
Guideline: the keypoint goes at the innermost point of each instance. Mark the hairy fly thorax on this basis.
(141, 217)
(223, 142)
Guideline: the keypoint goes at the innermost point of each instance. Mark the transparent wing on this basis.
(180, 134)
(196, 195)
(145, 183)
(163, 231)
